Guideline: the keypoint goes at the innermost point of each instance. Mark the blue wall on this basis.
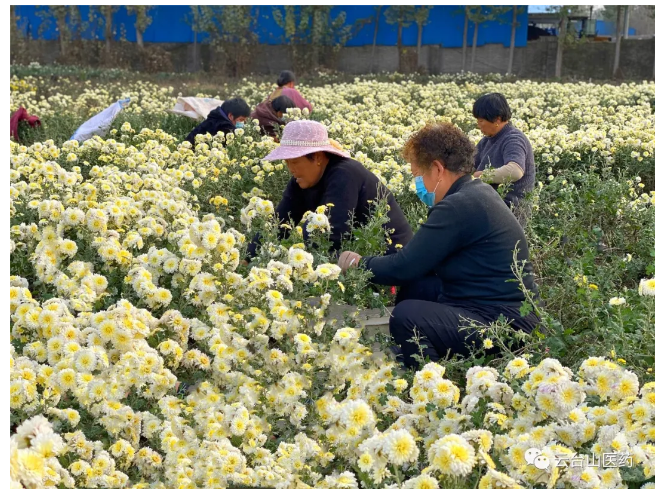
(607, 28)
(169, 25)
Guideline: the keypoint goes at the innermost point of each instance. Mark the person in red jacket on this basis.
(286, 83)
(17, 117)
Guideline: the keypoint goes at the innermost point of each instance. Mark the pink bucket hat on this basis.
(301, 138)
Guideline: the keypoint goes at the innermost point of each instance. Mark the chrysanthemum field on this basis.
(127, 279)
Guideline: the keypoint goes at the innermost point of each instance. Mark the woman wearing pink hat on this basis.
(323, 173)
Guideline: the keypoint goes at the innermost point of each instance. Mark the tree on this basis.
(465, 34)
(16, 35)
(514, 25)
(236, 36)
(378, 12)
(143, 20)
(59, 12)
(313, 27)
(67, 22)
(328, 33)
(199, 19)
(563, 35)
(402, 16)
(107, 12)
(618, 41)
(479, 14)
(421, 18)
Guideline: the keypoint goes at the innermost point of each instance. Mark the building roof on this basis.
(551, 18)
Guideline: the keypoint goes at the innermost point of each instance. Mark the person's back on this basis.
(480, 270)
(480, 234)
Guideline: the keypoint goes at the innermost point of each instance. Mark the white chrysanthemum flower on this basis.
(452, 456)
(646, 287)
(422, 481)
(400, 447)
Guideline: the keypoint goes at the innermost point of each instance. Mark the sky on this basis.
(533, 9)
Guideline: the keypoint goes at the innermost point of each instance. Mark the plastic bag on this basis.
(195, 107)
(100, 123)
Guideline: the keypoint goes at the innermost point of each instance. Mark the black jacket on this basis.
(348, 185)
(468, 241)
(216, 121)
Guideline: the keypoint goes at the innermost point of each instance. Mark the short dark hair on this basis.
(286, 76)
(238, 107)
(332, 157)
(282, 103)
(491, 106)
(444, 142)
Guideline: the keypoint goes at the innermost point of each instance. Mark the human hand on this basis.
(348, 260)
(245, 262)
(478, 173)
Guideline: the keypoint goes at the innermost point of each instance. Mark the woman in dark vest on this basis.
(505, 152)
(458, 265)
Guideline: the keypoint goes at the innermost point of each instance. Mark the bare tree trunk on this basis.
(400, 63)
(108, 31)
(196, 53)
(374, 39)
(626, 20)
(418, 45)
(315, 42)
(561, 35)
(618, 41)
(513, 38)
(474, 40)
(62, 26)
(139, 38)
(464, 44)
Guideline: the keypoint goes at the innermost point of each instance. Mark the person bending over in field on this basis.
(323, 173)
(458, 266)
(226, 118)
(286, 85)
(270, 114)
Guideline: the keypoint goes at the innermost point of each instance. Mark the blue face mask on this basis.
(240, 124)
(428, 198)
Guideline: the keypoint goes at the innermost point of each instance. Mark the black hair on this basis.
(238, 107)
(444, 142)
(491, 106)
(282, 103)
(332, 157)
(286, 76)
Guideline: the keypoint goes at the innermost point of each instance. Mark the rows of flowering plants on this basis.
(127, 280)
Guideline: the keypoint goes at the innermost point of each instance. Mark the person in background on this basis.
(507, 151)
(458, 265)
(226, 118)
(270, 114)
(323, 173)
(286, 85)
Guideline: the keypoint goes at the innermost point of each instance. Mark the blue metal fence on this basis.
(169, 25)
